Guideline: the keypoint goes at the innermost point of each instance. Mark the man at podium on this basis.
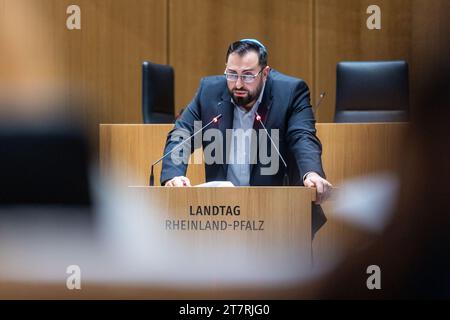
(254, 108)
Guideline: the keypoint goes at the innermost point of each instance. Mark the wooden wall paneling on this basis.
(305, 38)
(32, 55)
(107, 54)
(201, 30)
(430, 47)
(99, 65)
(341, 34)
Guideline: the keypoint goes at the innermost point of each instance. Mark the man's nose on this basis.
(239, 83)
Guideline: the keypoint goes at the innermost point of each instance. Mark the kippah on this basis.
(255, 42)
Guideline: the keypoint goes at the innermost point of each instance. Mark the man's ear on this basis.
(266, 71)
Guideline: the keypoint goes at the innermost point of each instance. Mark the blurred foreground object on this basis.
(43, 164)
(413, 252)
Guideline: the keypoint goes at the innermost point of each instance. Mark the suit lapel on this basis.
(264, 111)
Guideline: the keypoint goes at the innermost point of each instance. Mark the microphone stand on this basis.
(286, 176)
(152, 177)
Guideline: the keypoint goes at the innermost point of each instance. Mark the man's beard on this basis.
(250, 97)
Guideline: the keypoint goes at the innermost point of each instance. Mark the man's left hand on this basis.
(323, 187)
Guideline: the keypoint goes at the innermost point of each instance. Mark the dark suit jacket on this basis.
(285, 106)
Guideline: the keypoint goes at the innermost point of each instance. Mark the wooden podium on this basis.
(216, 243)
(263, 220)
(228, 242)
(266, 222)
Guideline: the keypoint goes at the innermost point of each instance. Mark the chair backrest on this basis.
(372, 91)
(157, 93)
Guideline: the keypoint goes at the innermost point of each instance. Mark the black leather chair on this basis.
(157, 93)
(372, 91)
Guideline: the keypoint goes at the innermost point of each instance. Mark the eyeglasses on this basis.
(247, 78)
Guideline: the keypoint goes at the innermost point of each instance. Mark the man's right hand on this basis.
(180, 181)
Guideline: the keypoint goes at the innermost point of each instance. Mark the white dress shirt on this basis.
(239, 160)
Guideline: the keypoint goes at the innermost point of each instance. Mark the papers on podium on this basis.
(216, 184)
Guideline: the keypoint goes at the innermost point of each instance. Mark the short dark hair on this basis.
(243, 47)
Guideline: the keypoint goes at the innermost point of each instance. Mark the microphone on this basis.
(321, 96)
(286, 177)
(152, 177)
